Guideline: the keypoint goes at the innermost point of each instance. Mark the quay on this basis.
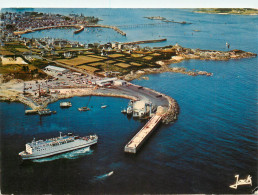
(146, 41)
(81, 28)
(137, 141)
(107, 26)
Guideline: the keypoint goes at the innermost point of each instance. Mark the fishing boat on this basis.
(84, 108)
(44, 112)
(123, 111)
(53, 146)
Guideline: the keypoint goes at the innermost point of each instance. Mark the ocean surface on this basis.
(214, 138)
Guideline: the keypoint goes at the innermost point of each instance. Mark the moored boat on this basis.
(84, 109)
(65, 104)
(44, 112)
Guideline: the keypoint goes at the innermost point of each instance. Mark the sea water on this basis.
(214, 138)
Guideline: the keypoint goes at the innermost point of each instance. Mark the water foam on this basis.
(102, 177)
(69, 155)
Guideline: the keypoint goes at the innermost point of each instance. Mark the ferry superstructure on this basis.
(65, 104)
(57, 145)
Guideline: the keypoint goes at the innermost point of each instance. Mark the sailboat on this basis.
(85, 108)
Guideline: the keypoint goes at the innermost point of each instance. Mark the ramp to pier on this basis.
(135, 143)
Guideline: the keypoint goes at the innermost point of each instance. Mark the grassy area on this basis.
(238, 11)
(22, 49)
(97, 64)
(116, 55)
(88, 68)
(123, 65)
(148, 58)
(5, 52)
(79, 60)
(137, 55)
(135, 64)
(17, 71)
(12, 60)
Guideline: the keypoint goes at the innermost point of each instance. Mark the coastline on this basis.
(81, 27)
(170, 115)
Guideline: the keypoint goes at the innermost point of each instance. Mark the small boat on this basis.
(65, 104)
(44, 112)
(123, 111)
(84, 108)
(31, 111)
(110, 173)
(53, 112)
(104, 106)
(129, 110)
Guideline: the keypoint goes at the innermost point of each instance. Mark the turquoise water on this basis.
(214, 138)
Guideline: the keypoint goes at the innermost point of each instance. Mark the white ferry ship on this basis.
(65, 104)
(57, 145)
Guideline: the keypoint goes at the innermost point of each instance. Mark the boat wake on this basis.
(102, 177)
(69, 155)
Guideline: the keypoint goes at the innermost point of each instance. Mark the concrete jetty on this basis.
(137, 141)
(107, 26)
(80, 28)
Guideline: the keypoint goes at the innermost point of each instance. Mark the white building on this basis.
(119, 82)
(141, 108)
(56, 69)
(105, 82)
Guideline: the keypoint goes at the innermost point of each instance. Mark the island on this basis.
(235, 11)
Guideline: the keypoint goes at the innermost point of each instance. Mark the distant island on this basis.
(235, 11)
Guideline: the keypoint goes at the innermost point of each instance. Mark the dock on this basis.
(136, 142)
(107, 26)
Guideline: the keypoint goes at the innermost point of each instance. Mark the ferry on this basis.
(65, 104)
(53, 146)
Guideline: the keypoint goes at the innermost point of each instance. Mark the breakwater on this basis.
(50, 27)
(107, 26)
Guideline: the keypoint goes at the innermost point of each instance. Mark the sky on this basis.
(130, 3)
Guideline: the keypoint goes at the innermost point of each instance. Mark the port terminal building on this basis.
(110, 81)
(56, 69)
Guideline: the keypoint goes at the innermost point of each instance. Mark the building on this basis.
(56, 69)
(105, 82)
(120, 82)
(141, 109)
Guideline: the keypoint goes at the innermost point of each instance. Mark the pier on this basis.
(81, 27)
(107, 26)
(137, 141)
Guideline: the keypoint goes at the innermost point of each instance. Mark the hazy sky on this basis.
(130, 3)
